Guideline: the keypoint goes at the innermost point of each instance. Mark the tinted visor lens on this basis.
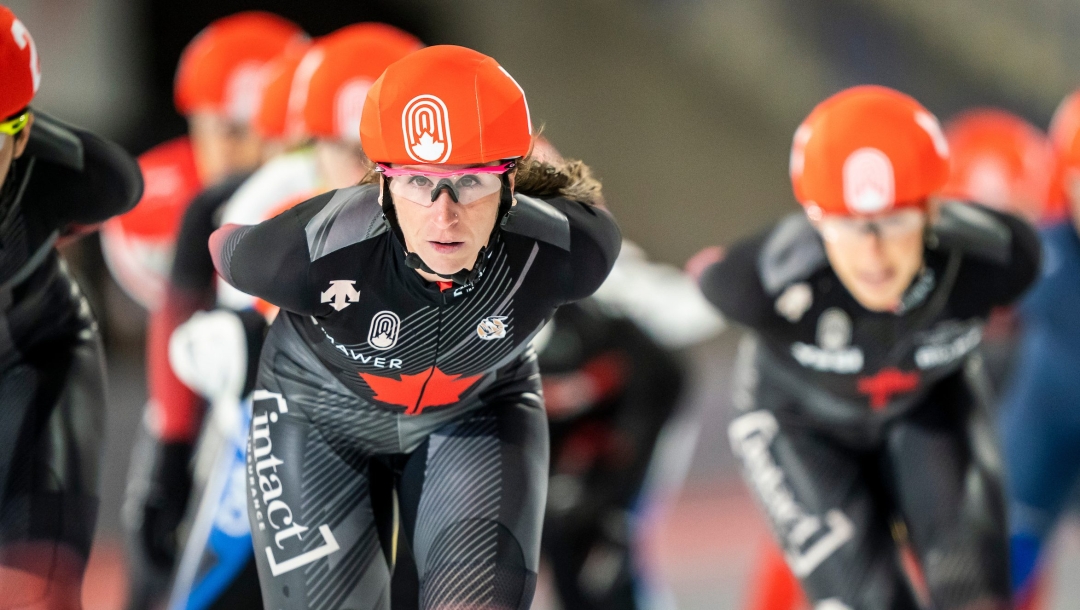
(14, 126)
(890, 226)
(464, 187)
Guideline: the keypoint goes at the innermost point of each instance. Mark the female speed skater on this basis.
(999, 160)
(55, 181)
(215, 352)
(863, 418)
(402, 346)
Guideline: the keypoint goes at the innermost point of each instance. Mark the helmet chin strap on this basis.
(463, 276)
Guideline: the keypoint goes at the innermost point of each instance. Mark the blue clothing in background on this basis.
(1041, 410)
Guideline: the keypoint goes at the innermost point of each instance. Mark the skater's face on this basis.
(13, 146)
(340, 164)
(222, 146)
(447, 234)
(875, 257)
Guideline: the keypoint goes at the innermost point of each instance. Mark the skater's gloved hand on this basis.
(209, 353)
(165, 502)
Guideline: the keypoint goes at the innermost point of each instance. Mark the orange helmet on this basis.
(19, 65)
(1065, 138)
(1000, 160)
(221, 69)
(352, 59)
(445, 104)
(271, 118)
(867, 150)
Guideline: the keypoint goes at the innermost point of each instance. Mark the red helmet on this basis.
(139, 245)
(1000, 160)
(221, 69)
(19, 65)
(352, 58)
(445, 104)
(866, 150)
(271, 119)
(1065, 137)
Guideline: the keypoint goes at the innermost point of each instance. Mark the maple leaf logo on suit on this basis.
(429, 388)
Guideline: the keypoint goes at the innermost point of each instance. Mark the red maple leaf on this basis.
(888, 381)
(430, 388)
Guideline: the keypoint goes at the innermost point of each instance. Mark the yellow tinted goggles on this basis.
(13, 126)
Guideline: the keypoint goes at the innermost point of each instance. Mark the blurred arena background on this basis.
(685, 109)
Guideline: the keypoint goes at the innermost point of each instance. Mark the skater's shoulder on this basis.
(790, 251)
(342, 218)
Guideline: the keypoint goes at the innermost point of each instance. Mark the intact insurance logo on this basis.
(268, 500)
(426, 126)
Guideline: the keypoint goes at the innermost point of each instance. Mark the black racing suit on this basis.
(609, 389)
(370, 368)
(855, 421)
(52, 377)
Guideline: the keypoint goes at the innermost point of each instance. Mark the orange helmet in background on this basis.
(1000, 160)
(867, 150)
(19, 65)
(1065, 138)
(351, 59)
(445, 104)
(271, 119)
(221, 69)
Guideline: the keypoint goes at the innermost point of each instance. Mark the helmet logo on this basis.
(23, 39)
(988, 183)
(868, 181)
(349, 106)
(426, 127)
(243, 90)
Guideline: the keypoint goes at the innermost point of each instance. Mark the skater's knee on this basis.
(477, 564)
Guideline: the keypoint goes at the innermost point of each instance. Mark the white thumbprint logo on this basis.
(383, 333)
(348, 107)
(426, 126)
(868, 181)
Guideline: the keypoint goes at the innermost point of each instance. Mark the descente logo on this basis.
(266, 492)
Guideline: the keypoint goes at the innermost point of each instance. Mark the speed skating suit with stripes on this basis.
(372, 378)
(860, 430)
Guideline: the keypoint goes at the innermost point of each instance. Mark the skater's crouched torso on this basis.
(361, 331)
(826, 360)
